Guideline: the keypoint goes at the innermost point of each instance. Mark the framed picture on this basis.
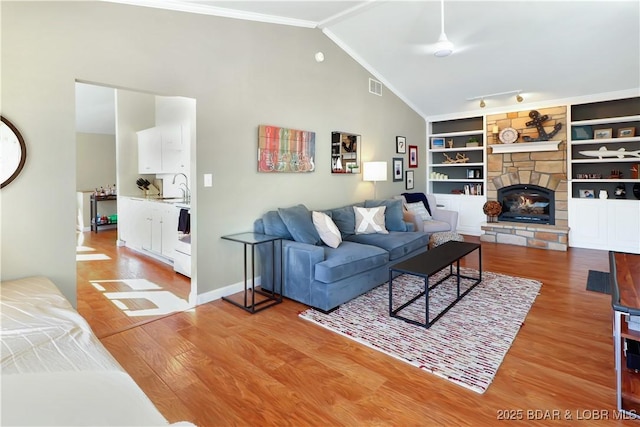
(398, 168)
(626, 132)
(437, 142)
(401, 145)
(581, 132)
(409, 180)
(603, 133)
(413, 155)
(587, 194)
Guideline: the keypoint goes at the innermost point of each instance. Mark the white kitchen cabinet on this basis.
(149, 151)
(132, 219)
(164, 149)
(175, 149)
(124, 211)
(611, 224)
(140, 237)
(149, 226)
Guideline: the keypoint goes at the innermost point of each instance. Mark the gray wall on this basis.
(96, 161)
(242, 74)
(134, 111)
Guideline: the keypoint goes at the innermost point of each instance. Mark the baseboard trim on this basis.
(222, 292)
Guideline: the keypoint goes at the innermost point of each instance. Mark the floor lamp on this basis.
(374, 171)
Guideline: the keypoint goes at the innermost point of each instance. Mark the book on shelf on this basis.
(473, 189)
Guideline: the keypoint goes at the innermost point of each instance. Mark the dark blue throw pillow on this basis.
(345, 219)
(274, 226)
(417, 197)
(393, 217)
(300, 225)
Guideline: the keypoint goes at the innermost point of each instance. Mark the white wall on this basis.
(241, 74)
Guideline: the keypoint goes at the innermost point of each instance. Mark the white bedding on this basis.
(54, 369)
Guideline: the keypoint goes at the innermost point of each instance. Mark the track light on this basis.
(483, 104)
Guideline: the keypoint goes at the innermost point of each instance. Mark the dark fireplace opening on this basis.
(527, 203)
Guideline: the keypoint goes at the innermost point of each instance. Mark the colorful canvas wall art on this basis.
(285, 150)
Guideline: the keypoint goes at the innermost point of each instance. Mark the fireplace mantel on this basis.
(525, 147)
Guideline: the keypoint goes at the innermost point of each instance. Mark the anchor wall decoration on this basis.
(537, 120)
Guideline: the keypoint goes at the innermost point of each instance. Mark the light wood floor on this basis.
(102, 314)
(219, 366)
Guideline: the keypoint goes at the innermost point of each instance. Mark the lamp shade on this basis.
(374, 171)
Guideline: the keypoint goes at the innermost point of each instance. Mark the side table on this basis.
(268, 299)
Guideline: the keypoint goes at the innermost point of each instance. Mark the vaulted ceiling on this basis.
(546, 49)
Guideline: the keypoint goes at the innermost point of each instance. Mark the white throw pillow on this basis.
(327, 229)
(419, 210)
(370, 220)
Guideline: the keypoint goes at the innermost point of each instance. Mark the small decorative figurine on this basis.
(460, 158)
(621, 192)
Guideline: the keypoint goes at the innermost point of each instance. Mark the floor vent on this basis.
(375, 87)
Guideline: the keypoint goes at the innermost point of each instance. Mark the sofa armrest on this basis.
(300, 261)
(445, 215)
(410, 218)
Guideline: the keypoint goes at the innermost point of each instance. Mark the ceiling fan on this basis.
(444, 47)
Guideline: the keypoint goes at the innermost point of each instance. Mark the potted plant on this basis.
(473, 141)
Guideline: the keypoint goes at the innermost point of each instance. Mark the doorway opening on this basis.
(126, 249)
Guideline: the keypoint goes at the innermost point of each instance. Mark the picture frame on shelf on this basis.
(413, 155)
(474, 173)
(587, 193)
(579, 133)
(401, 144)
(437, 142)
(398, 169)
(628, 132)
(603, 133)
(409, 180)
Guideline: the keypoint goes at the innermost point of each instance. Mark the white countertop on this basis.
(177, 201)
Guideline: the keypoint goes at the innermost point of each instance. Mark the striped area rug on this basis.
(465, 346)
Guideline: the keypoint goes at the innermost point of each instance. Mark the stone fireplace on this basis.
(527, 176)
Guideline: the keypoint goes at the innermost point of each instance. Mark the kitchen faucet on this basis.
(186, 194)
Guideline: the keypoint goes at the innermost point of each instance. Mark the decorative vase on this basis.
(603, 194)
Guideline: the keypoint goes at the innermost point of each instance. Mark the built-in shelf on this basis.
(525, 147)
(442, 165)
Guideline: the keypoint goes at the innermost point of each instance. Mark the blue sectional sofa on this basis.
(324, 277)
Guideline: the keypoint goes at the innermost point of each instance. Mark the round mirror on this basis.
(13, 152)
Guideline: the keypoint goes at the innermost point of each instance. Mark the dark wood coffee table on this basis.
(427, 264)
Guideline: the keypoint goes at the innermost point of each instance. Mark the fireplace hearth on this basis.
(527, 203)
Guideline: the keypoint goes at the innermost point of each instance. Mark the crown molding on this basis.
(180, 6)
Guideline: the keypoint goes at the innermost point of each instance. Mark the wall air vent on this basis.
(375, 87)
